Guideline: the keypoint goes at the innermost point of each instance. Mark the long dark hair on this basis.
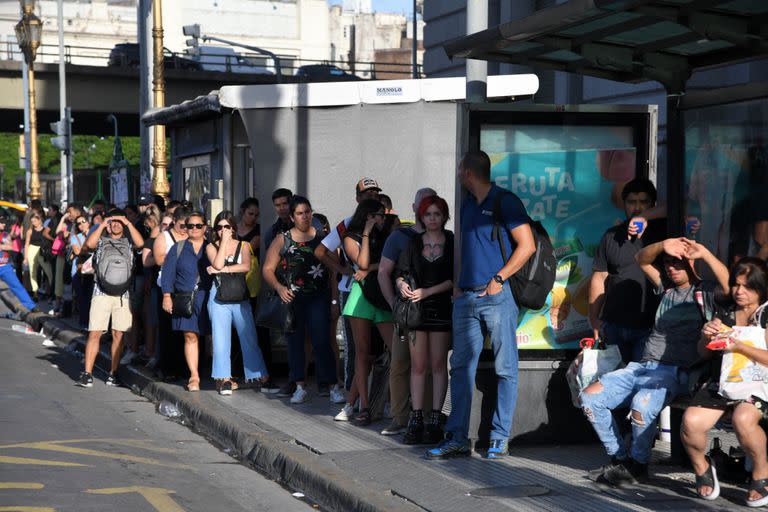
(228, 216)
(360, 217)
(756, 273)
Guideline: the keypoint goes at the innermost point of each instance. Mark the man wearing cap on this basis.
(366, 188)
(7, 272)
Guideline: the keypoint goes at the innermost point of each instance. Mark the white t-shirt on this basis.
(169, 242)
(333, 242)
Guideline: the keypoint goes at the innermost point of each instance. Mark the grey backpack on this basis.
(114, 266)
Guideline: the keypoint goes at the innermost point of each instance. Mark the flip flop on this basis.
(709, 479)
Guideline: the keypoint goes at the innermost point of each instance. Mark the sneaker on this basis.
(628, 472)
(337, 395)
(85, 380)
(286, 390)
(113, 381)
(393, 429)
(346, 413)
(447, 449)
(225, 388)
(299, 396)
(269, 387)
(498, 449)
(128, 357)
(47, 342)
(323, 390)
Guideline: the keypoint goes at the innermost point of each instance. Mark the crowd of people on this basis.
(175, 291)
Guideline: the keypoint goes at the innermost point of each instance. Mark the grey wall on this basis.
(323, 152)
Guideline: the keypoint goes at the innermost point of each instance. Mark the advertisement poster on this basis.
(575, 193)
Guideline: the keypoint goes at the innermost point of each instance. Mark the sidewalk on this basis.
(344, 467)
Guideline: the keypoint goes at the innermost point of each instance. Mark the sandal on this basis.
(363, 418)
(708, 479)
(193, 385)
(760, 487)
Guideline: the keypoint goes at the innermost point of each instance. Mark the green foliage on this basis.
(90, 151)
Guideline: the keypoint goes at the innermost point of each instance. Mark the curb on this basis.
(272, 452)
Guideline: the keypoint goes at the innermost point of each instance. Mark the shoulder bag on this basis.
(231, 287)
(276, 314)
(406, 313)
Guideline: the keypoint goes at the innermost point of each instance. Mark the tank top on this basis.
(300, 269)
(36, 238)
(169, 241)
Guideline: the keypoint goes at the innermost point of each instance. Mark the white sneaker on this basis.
(346, 413)
(337, 395)
(300, 395)
(127, 357)
(48, 343)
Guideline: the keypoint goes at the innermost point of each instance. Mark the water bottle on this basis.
(168, 409)
(22, 328)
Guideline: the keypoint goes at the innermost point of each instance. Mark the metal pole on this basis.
(27, 149)
(675, 163)
(160, 184)
(145, 91)
(477, 70)
(65, 175)
(34, 182)
(415, 43)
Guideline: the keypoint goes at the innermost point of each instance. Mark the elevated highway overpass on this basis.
(93, 92)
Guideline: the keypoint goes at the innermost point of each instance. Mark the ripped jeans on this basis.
(646, 388)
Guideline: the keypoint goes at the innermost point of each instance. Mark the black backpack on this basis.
(533, 282)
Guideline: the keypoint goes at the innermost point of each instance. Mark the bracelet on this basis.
(365, 236)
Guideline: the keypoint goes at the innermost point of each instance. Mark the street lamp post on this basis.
(28, 33)
(160, 184)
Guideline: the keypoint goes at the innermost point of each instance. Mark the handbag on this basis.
(184, 303)
(372, 292)
(253, 277)
(58, 246)
(741, 377)
(591, 363)
(276, 314)
(231, 287)
(86, 268)
(406, 313)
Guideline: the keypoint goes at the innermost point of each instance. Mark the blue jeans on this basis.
(631, 341)
(646, 388)
(8, 276)
(311, 314)
(473, 318)
(223, 316)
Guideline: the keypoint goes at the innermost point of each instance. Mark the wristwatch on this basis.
(498, 279)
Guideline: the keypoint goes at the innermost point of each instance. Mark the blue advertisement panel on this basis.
(572, 185)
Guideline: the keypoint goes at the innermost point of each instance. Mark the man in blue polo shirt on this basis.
(484, 305)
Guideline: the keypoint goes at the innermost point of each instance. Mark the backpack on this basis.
(114, 266)
(533, 282)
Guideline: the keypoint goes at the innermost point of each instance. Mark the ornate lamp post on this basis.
(160, 184)
(28, 32)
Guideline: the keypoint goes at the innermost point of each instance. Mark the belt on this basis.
(475, 289)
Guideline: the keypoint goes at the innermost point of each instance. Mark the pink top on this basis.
(16, 232)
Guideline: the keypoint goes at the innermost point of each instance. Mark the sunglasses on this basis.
(82, 222)
(223, 226)
(194, 226)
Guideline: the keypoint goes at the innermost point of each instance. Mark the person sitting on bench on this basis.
(748, 290)
(669, 350)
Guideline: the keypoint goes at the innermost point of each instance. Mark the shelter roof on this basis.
(627, 40)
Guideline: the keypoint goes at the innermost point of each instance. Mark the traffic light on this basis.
(63, 128)
(194, 42)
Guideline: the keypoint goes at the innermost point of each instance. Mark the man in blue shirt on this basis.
(483, 305)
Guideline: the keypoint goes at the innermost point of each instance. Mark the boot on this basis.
(415, 429)
(433, 430)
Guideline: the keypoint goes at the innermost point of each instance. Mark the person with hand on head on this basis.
(231, 258)
(669, 351)
(185, 272)
(113, 261)
(745, 310)
(303, 281)
(427, 265)
(483, 304)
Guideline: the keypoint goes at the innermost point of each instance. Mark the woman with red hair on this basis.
(425, 271)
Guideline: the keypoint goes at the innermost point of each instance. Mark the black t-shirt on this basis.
(629, 297)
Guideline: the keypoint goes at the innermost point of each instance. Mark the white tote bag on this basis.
(589, 365)
(740, 377)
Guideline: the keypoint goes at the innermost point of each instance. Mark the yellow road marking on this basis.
(27, 509)
(38, 462)
(20, 485)
(159, 498)
(136, 443)
(55, 447)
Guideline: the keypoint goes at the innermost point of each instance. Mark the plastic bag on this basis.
(591, 363)
(740, 377)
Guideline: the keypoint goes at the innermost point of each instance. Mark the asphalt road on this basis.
(67, 448)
